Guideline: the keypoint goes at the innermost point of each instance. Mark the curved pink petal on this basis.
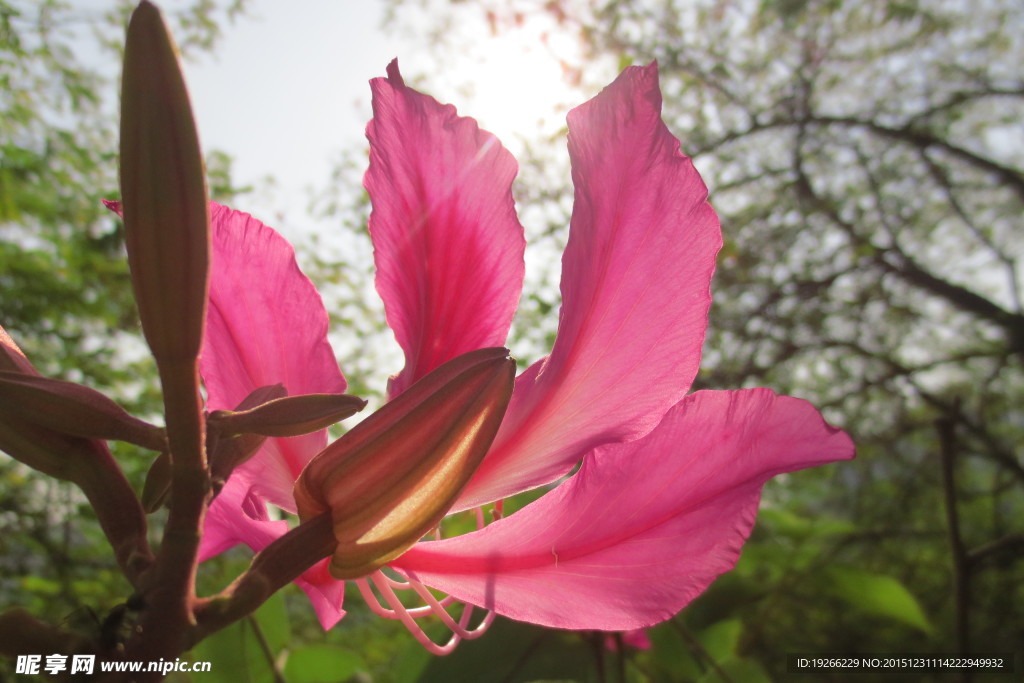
(636, 278)
(237, 516)
(265, 325)
(447, 244)
(644, 526)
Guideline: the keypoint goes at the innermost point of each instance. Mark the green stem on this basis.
(701, 651)
(275, 670)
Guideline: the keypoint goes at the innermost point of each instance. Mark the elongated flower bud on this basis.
(288, 416)
(50, 452)
(393, 477)
(86, 462)
(74, 410)
(163, 191)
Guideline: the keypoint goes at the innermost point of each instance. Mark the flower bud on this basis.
(74, 410)
(288, 416)
(86, 462)
(45, 450)
(395, 475)
(163, 192)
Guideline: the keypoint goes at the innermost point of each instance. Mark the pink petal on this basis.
(636, 639)
(237, 515)
(635, 295)
(266, 325)
(447, 244)
(643, 527)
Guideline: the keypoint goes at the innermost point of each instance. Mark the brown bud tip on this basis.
(11, 357)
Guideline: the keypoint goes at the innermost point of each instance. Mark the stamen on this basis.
(373, 602)
(386, 586)
(402, 585)
(459, 628)
(409, 622)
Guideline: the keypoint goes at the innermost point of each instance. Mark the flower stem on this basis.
(272, 569)
(169, 592)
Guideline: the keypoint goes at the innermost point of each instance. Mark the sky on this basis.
(287, 88)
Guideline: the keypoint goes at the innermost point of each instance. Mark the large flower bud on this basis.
(393, 477)
(163, 191)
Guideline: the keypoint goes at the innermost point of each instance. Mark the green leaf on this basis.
(38, 584)
(746, 670)
(788, 523)
(513, 651)
(878, 595)
(235, 653)
(273, 620)
(321, 664)
(722, 639)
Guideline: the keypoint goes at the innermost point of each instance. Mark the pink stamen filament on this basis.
(386, 586)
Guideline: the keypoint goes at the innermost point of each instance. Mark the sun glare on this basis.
(518, 82)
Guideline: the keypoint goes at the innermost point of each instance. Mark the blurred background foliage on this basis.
(867, 162)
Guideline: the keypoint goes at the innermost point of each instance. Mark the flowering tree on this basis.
(653, 489)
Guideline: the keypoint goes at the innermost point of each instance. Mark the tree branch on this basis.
(946, 427)
(906, 268)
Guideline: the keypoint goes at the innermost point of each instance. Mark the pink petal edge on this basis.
(635, 291)
(644, 527)
(266, 325)
(447, 243)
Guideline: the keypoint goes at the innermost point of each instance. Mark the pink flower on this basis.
(669, 484)
(637, 639)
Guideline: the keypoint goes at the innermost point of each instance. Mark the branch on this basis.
(963, 97)
(946, 427)
(920, 139)
(906, 268)
(1006, 543)
(942, 178)
(701, 651)
(923, 140)
(272, 569)
(275, 670)
(959, 296)
(21, 633)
